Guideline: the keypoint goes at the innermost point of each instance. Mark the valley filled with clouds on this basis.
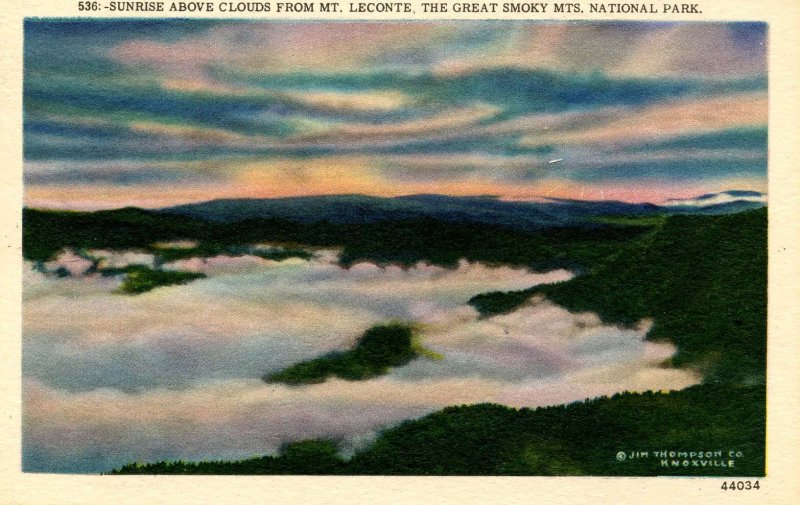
(176, 372)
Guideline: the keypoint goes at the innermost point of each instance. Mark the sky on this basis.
(164, 112)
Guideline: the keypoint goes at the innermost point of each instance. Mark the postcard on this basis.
(381, 251)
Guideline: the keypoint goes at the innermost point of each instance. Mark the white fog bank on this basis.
(175, 372)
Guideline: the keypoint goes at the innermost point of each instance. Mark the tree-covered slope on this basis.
(379, 349)
(703, 281)
(45, 232)
(583, 438)
(405, 241)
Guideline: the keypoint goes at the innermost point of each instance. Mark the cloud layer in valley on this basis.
(175, 372)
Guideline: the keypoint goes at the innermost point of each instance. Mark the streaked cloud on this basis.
(284, 47)
(659, 121)
(446, 121)
(472, 107)
(358, 101)
(629, 49)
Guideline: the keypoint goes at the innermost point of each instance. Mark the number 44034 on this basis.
(740, 485)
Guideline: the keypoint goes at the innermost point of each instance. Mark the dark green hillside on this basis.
(44, 233)
(378, 349)
(703, 279)
(405, 241)
(577, 439)
(140, 279)
(410, 241)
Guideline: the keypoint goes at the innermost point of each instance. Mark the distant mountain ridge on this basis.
(525, 215)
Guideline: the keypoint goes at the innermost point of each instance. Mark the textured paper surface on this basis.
(778, 487)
